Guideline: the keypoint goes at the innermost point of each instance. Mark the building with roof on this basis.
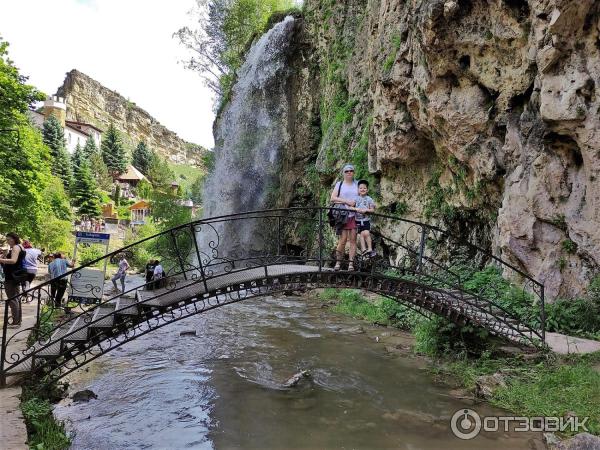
(131, 176)
(139, 212)
(75, 132)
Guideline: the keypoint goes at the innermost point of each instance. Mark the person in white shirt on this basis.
(159, 273)
(30, 264)
(121, 274)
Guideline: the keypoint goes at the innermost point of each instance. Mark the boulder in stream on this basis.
(188, 333)
(84, 396)
(295, 379)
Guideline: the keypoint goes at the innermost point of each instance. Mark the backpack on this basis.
(337, 216)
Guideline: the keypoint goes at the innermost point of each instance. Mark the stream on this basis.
(224, 387)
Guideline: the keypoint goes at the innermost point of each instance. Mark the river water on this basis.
(223, 388)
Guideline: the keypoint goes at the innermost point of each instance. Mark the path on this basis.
(564, 345)
(13, 433)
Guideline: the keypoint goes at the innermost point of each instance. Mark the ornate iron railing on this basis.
(208, 263)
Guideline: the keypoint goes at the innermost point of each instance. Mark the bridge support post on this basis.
(320, 240)
(200, 266)
(181, 265)
(421, 248)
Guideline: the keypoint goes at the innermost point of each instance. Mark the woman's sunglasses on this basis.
(348, 171)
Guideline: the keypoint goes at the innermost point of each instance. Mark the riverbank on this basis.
(526, 384)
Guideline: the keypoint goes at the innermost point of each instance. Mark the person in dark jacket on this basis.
(12, 265)
(150, 274)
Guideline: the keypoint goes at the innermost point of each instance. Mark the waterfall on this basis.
(250, 135)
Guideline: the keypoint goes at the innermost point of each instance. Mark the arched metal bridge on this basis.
(214, 262)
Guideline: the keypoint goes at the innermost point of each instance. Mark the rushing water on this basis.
(250, 135)
(223, 388)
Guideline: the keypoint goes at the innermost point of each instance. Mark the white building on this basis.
(75, 132)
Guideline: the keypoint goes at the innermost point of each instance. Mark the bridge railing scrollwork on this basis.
(415, 263)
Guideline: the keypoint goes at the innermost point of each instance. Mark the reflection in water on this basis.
(224, 388)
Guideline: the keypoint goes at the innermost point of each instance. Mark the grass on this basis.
(551, 387)
(548, 386)
(185, 175)
(378, 310)
(44, 432)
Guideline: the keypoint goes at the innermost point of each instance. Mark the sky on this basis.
(126, 45)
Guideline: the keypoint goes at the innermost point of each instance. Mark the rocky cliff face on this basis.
(482, 116)
(89, 101)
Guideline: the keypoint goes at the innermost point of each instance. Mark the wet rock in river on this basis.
(84, 396)
(188, 333)
(295, 379)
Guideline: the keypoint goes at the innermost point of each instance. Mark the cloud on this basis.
(127, 45)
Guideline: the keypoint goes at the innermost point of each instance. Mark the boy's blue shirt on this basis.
(365, 202)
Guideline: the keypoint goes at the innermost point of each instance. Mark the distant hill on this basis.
(90, 102)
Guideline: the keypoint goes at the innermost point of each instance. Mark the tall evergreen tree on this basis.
(100, 171)
(90, 147)
(77, 157)
(54, 138)
(113, 151)
(142, 157)
(85, 192)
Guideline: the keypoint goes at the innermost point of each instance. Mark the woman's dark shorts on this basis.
(363, 225)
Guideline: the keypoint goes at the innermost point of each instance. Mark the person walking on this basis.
(345, 193)
(150, 274)
(30, 263)
(57, 267)
(121, 274)
(14, 274)
(159, 273)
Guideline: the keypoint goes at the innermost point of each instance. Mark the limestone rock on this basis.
(90, 102)
(486, 385)
(582, 441)
(497, 102)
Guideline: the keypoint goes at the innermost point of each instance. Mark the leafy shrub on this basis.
(86, 254)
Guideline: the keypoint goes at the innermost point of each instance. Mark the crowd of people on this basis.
(19, 267)
(90, 224)
(353, 196)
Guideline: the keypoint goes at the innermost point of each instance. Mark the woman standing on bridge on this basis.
(14, 274)
(345, 192)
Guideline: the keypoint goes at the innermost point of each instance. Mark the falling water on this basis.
(249, 137)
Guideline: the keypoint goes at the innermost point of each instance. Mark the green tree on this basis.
(77, 157)
(113, 151)
(117, 195)
(90, 148)
(85, 192)
(30, 195)
(142, 157)
(196, 190)
(225, 28)
(100, 172)
(54, 138)
(159, 173)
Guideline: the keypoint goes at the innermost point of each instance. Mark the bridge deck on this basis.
(452, 304)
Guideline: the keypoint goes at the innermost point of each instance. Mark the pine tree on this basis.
(100, 172)
(90, 148)
(142, 157)
(54, 138)
(113, 151)
(77, 157)
(85, 191)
